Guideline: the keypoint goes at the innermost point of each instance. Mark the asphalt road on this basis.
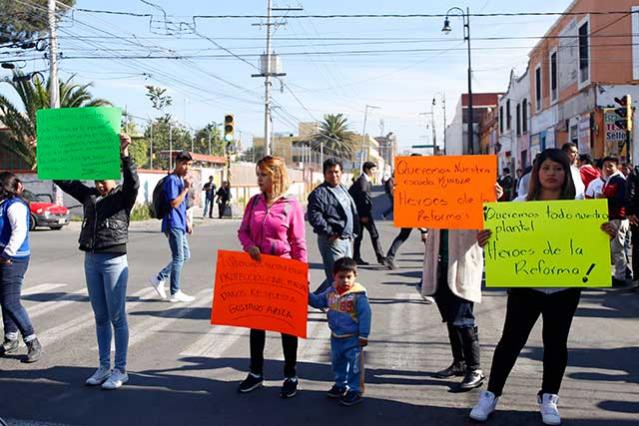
(185, 371)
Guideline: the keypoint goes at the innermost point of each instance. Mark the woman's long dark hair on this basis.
(9, 184)
(558, 156)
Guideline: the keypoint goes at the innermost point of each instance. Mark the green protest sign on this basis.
(547, 244)
(79, 143)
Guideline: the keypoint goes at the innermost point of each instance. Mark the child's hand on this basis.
(363, 341)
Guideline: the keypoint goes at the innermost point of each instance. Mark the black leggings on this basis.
(289, 345)
(522, 311)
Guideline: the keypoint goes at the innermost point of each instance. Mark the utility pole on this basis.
(267, 71)
(54, 87)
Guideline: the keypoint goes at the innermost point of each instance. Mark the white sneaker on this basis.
(428, 299)
(180, 296)
(548, 408)
(158, 285)
(485, 406)
(116, 380)
(100, 376)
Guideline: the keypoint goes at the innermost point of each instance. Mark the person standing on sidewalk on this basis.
(551, 179)
(614, 190)
(273, 224)
(333, 216)
(400, 239)
(176, 227)
(361, 193)
(15, 253)
(223, 198)
(103, 238)
(389, 189)
(209, 195)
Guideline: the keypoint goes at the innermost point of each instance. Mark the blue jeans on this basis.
(208, 207)
(331, 251)
(107, 275)
(14, 316)
(348, 363)
(180, 253)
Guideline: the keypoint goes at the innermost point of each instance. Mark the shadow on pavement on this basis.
(170, 397)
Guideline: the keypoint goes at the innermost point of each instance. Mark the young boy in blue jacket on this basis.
(349, 318)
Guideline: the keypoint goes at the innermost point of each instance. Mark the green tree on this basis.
(335, 136)
(159, 99)
(202, 140)
(21, 21)
(160, 132)
(20, 118)
(139, 148)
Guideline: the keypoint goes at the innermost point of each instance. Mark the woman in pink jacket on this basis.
(273, 224)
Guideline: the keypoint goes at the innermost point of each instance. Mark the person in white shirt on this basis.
(573, 154)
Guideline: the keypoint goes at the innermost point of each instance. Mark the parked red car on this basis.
(44, 212)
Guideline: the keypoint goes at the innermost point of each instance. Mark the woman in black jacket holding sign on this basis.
(550, 180)
(103, 238)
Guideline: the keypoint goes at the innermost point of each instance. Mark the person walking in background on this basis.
(209, 194)
(15, 253)
(176, 227)
(400, 239)
(333, 216)
(573, 154)
(508, 184)
(594, 188)
(361, 193)
(223, 198)
(103, 238)
(551, 179)
(587, 170)
(349, 318)
(389, 189)
(614, 190)
(273, 224)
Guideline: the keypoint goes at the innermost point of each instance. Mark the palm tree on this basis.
(335, 136)
(20, 119)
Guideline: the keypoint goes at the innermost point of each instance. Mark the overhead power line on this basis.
(368, 15)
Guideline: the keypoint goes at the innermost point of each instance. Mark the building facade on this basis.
(457, 130)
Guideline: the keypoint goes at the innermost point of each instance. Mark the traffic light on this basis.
(229, 128)
(624, 112)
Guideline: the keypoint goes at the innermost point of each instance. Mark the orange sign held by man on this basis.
(444, 192)
(271, 294)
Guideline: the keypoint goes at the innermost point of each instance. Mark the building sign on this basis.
(614, 137)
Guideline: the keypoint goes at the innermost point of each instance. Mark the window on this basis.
(501, 119)
(538, 88)
(553, 76)
(508, 116)
(584, 59)
(524, 116)
(518, 119)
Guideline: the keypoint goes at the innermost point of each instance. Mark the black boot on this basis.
(34, 351)
(458, 367)
(474, 376)
(9, 346)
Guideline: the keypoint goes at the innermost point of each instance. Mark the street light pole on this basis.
(447, 29)
(364, 139)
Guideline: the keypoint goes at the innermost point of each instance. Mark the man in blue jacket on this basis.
(333, 216)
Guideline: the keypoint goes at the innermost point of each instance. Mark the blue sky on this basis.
(204, 89)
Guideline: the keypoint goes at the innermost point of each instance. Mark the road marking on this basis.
(139, 332)
(41, 288)
(56, 303)
(216, 341)
(57, 333)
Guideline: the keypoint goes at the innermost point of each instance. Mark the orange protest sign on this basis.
(271, 294)
(445, 192)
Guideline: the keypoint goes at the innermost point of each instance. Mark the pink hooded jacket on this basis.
(278, 230)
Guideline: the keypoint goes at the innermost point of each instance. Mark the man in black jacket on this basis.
(333, 216)
(361, 193)
(223, 198)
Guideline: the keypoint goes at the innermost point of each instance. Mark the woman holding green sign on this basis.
(103, 238)
(550, 180)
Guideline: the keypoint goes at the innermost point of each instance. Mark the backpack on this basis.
(159, 205)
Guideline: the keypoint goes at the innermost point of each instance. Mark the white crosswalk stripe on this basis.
(41, 288)
(216, 341)
(60, 332)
